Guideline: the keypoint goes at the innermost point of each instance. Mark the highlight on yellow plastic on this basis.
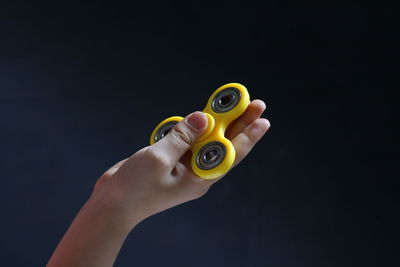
(213, 154)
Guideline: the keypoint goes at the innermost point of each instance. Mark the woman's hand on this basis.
(153, 179)
(159, 177)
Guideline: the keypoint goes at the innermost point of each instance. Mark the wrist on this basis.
(100, 228)
(114, 209)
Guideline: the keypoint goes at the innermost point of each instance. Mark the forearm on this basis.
(94, 238)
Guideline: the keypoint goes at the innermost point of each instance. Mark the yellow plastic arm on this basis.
(213, 154)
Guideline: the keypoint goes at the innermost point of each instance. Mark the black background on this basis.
(82, 87)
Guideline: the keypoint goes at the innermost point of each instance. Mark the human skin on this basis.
(153, 179)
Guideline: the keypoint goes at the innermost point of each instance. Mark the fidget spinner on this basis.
(212, 154)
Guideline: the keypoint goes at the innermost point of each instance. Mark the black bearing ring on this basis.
(163, 130)
(226, 100)
(211, 155)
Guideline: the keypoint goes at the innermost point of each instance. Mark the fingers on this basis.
(253, 112)
(181, 137)
(246, 140)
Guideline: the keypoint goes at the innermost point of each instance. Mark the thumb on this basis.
(182, 136)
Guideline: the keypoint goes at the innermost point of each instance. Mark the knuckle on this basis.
(201, 186)
(202, 190)
(183, 135)
(158, 159)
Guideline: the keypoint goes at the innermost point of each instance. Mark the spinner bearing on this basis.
(212, 154)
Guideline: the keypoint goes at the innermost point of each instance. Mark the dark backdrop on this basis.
(82, 86)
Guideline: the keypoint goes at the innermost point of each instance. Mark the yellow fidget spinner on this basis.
(212, 154)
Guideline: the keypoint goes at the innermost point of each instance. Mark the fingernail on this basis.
(197, 120)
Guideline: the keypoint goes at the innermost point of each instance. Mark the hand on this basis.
(159, 177)
(153, 179)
